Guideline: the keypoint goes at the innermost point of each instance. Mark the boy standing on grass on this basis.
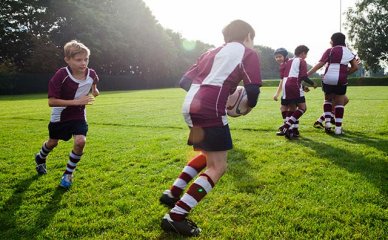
(335, 79)
(295, 71)
(67, 95)
(209, 82)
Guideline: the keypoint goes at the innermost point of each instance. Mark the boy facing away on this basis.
(335, 80)
(208, 83)
(67, 95)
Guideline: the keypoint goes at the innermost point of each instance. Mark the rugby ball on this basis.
(237, 103)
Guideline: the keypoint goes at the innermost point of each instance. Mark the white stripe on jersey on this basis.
(332, 75)
(187, 102)
(56, 114)
(294, 70)
(225, 61)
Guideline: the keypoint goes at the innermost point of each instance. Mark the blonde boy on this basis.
(68, 93)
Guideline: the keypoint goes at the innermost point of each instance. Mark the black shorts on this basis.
(210, 138)
(65, 130)
(293, 101)
(334, 89)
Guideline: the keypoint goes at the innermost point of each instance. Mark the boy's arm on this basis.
(309, 81)
(57, 102)
(278, 90)
(315, 68)
(253, 91)
(95, 91)
(353, 66)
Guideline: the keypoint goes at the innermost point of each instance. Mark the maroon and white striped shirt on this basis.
(338, 58)
(216, 75)
(64, 86)
(294, 70)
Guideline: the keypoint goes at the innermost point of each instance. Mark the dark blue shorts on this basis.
(293, 101)
(65, 130)
(210, 138)
(334, 89)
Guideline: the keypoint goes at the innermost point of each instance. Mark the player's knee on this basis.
(80, 142)
(51, 143)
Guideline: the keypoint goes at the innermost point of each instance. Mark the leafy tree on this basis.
(368, 29)
(20, 22)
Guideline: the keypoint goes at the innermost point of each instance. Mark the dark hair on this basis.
(301, 49)
(237, 31)
(338, 39)
(281, 51)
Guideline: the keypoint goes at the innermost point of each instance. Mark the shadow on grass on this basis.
(12, 205)
(9, 215)
(375, 170)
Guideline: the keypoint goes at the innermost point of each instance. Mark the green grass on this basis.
(318, 187)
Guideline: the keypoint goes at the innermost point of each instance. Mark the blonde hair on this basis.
(74, 47)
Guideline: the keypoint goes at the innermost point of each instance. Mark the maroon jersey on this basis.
(338, 58)
(215, 75)
(64, 86)
(295, 69)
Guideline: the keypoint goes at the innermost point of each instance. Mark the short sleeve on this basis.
(94, 76)
(55, 84)
(302, 68)
(325, 56)
(250, 67)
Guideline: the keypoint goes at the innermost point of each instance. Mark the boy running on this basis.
(335, 80)
(209, 82)
(67, 95)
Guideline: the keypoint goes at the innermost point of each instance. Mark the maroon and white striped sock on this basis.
(195, 166)
(196, 192)
(339, 114)
(72, 163)
(44, 151)
(327, 107)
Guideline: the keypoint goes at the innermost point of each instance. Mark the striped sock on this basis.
(339, 114)
(195, 166)
(321, 119)
(293, 119)
(44, 151)
(327, 107)
(196, 192)
(72, 163)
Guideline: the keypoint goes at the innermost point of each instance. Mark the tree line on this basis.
(125, 39)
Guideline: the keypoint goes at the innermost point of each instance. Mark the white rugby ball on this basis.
(237, 103)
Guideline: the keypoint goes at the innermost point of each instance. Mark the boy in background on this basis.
(295, 71)
(335, 81)
(208, 83)
(67, 95)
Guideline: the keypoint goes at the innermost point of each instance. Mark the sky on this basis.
(278, 23)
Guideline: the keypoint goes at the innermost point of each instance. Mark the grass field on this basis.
(317, 187)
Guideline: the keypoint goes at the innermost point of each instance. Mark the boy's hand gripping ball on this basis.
(237, 104)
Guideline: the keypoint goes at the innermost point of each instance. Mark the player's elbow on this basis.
(185, 83)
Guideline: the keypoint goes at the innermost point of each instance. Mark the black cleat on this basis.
(328, 130)
(40, 167)
(318, 125)
(290, 134)
(185, 227)
(296, 133)
(280, 131)
(167, 199)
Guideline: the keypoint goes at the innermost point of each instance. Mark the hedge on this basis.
(356, 81)
(11, 84)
